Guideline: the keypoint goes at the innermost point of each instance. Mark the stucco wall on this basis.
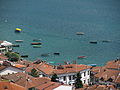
(9, 70)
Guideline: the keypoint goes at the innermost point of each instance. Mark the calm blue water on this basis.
(56, 22)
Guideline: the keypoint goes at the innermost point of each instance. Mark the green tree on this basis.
(34, 73)
(13, 56)
(78, 82)
(54, 78)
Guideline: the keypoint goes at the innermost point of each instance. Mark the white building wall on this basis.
(84, 78)
(85, 74)
(64, 88)
(66, 81)
(10, 70)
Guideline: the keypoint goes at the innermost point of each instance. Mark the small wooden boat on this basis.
(56, 53)
(18, 30)
(81, 57)
(93, 42)
(45, 55)
(36, 39)
(106, 41)
(37, 46)
(15, 45)
(25, 56)
(80, 33)
(36, 43)
(18, 40)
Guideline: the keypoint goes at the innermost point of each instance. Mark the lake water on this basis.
(56, 23)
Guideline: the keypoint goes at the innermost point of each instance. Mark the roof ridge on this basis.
(49, 86)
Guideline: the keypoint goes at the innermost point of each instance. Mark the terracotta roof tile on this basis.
(2, 57)
(108, 73)
(25, 80)
(115, 64)
(10, 86)
(46, 68)
(117, 79)
(99, 87)
(96, 69)
(70, 68)
(53, 86)
(45, 85)
(49, 69)
(2, 67)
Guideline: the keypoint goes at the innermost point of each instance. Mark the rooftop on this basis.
(99, 87)
(10, 86)
(61, 69)
(25, 80)
(115, 64)
(108, 74)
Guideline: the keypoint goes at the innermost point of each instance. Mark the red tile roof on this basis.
(115, 64)
(107, 74)
(2, 57)
(10, 86)
(97, 69)
(25, 80)
(2, 67)
(70, 68)
(117, 79)
(99, 87)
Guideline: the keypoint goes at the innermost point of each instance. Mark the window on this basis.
(88, 81)
(69, 77)
(64, 78)
(84, 73)
(73, 76)
(84, 81)
(88, 72)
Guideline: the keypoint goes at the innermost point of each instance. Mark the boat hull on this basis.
(37, 43)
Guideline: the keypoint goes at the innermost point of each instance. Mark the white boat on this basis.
(18, 40)
(80, 33)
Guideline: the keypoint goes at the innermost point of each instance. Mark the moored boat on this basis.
(24, 56)
(80, 33)
(106, 41)
(37, 46)
(45, 54)
(57, 53)
(18, 30)
(36, 39)
(36, 43)
(81, 57)
(18, 40)
(93, 42)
